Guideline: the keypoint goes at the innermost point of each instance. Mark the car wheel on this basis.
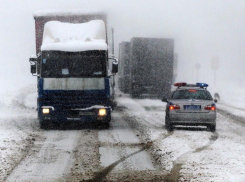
(212, 128)
(168, 125)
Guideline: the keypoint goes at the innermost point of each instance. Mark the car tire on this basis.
(212, 128)
(168, 125)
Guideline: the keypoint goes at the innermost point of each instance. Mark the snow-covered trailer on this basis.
(175, 70)
(72, 67)
(151, 67)
(124, 71)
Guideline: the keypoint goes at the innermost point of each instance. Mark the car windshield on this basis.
(57, 64)
(192, 94)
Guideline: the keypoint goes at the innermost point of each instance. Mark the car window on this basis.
(192, 94)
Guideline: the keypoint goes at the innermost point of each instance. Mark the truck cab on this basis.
(72, 69)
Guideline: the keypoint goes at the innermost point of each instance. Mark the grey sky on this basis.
(201, 29)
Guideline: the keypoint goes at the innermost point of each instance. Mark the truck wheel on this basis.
(212, 127)
(44, 125)
(135, 94)
(47, 124)
(105, 123)
(168, 125)
(113, 104)
(107, 120)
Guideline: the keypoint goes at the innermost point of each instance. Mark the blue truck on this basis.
(75, 76)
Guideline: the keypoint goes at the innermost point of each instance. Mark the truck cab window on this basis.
(65, 64)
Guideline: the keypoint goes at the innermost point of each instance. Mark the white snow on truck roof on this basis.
(71, 37)
(42, 13)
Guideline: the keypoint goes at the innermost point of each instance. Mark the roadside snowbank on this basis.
(15, 123)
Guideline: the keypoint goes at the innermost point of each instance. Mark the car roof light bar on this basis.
(202, 85)
(181, 84)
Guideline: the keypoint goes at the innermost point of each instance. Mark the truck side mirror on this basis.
(33, 69)
(33, 62)
(114, 69)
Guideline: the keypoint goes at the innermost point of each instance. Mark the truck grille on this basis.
(72, 100)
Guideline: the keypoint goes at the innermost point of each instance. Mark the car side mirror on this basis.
(215, 100)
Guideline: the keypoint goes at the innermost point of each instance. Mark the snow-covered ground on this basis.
(16, 127)
(135, 146)
(202, 155)
(232, 97)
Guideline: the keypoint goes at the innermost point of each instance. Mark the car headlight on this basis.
(102, 112)
(46, 110)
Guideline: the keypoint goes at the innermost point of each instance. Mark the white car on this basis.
(190, 104)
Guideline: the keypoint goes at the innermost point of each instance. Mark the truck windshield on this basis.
(58, 64)
(190, 94)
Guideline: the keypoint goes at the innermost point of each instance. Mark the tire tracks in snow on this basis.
(145, 146)
(237, 119)
(100, 176)
(104, 172)
(174, 174)
(145, 129)
(50, 159)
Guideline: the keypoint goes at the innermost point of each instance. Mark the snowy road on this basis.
(136, 146)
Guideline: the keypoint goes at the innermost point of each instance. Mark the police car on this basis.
(190, 104)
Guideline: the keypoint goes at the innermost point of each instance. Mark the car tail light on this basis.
(174, 107)
(192, 90)
(210, 108)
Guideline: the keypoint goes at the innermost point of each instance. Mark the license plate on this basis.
(86, 113)
(191, 107)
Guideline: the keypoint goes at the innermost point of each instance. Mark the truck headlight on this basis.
(102, 112)
(45, 110)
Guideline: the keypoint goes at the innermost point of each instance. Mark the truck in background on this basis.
(73, 80)
(175, 69)
(124, 71)
(150, 67)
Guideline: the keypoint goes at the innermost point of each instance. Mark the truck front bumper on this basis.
(78, 114)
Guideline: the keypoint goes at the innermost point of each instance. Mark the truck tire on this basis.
(105, 123)
(135, 94)
(108, 120)
(47, 124)
(44, 124)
